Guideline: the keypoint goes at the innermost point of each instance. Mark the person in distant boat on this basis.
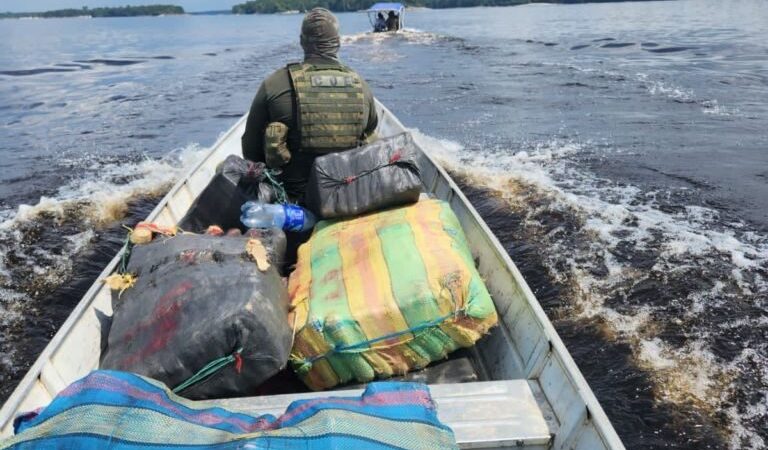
(380, 24)
(393, 21)
(308, 109)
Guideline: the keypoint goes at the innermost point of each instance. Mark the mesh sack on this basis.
(384, 294)
(123, 411)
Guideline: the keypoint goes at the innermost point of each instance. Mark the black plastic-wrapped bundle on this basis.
(236, 181)
(202, 314)
(369, 178)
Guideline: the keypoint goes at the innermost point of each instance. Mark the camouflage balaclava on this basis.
(320, 34)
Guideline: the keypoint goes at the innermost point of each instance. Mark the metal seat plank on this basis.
(487, 414)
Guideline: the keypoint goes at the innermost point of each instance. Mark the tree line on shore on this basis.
(277, 6)
(120, 11)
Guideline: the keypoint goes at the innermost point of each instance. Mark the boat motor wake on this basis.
(683, 289)
(61, 243)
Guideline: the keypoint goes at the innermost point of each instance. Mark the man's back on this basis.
(316, 122)
(393, 22)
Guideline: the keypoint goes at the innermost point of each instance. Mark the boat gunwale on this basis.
(23, 388)
(594, 411)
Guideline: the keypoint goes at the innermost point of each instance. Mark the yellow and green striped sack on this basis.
(383, 294)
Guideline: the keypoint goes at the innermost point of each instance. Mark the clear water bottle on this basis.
(266, 215)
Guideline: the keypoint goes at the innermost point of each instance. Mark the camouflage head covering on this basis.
(320, 34)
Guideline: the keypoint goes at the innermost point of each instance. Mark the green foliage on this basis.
(276, 6)
(437, 4)
(121, 11)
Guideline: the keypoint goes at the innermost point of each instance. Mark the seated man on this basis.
(380, 24)
(307, 109)
(393, 21)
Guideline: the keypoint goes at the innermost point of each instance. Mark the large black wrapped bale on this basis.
(236, 181)
(201, 302)
(370, 178)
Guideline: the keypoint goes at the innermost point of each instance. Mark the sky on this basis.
(46, 5)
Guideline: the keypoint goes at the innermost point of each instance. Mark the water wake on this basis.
(407, 35)
(40, 243)
(684, 287)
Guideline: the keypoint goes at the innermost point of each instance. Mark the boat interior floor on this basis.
(516, 387)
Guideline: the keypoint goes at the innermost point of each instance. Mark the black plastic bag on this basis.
(198, 301)
(370, 178)
(236, 181)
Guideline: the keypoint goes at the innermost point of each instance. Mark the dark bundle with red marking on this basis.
(370, 178)
(203, 317)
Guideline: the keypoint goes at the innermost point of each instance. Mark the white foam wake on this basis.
(658, 88)
(38, 243)
(408, 35)
(105, 192)
(611, 217)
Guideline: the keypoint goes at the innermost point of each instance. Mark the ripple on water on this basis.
(659, 280)
(42, 247)
(618, 45)
(28, 72)
(111, 62)
(667, 49)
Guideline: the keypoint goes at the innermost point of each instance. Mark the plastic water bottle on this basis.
(266, 215)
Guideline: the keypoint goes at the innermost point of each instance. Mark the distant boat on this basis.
(385, 9)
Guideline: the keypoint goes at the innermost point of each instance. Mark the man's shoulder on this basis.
(278, 80)
(278, 75)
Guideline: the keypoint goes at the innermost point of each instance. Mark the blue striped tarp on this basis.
(120, 410)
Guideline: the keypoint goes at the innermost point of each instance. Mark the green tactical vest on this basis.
(331, 108)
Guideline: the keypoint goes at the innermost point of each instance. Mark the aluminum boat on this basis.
(524, 391)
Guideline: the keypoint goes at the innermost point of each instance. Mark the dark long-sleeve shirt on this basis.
(274, 102)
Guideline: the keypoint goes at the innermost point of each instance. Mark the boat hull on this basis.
(523, 358)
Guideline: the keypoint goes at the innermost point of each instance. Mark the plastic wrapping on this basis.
(385, 293)
(200, 299)
(236, 181)
(370, 178)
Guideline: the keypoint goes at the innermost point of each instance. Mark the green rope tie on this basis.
(305, 364)
(282, 196)
(212, 368)
(127, 247)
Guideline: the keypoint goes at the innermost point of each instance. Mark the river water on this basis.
(617, 150)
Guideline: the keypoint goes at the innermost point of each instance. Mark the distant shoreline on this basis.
(282, 6)
(85, 12)
(274, 7)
